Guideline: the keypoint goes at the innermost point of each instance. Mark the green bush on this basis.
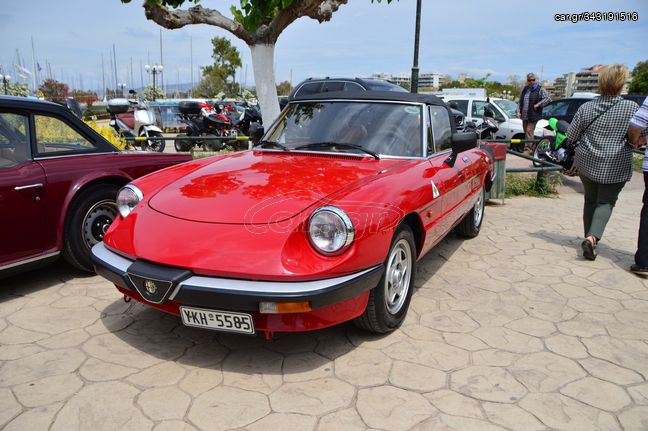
(528, 185)
(201, 154)
(637, 160)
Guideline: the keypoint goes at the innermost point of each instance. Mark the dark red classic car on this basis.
(321, 223)
(58, 184)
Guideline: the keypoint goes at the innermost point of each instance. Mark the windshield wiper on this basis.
(272, 144)
(337, 144)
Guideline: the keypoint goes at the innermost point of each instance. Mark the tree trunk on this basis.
(263, 65)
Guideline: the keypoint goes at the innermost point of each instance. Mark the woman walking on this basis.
(603, 156)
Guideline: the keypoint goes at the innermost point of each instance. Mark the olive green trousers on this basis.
(599, 203)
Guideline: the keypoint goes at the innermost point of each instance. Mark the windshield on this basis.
(391, 129)
(509, 107)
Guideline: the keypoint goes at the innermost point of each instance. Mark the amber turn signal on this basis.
(284, 307)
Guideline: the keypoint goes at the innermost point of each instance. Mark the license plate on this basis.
(217, 320)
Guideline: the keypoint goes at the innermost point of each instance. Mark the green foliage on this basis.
(16, 89)
(639, 84)
(528, 185)
(254, 13)
(172, 3)
(637, 161)
(203, 154)
(150, 94)
(215, 77)
(284, 88)
(53, 89)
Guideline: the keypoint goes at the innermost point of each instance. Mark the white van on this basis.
(510, 127)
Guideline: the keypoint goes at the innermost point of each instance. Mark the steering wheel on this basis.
(392, 142)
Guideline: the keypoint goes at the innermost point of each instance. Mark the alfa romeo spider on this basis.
(322, 222)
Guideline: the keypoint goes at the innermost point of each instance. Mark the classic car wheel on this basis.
(89, 216)
(470, 226)
(389, 301)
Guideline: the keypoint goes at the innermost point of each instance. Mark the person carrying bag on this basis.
(603, 155)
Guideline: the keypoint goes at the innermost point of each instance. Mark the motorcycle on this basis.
(198, 124)
(242, 116)
(132, 118)
(556, 149)
(486, 129)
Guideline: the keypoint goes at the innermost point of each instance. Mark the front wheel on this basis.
(541, 149)
(389, 301)
(156, 145)
(182, 145)
(89, 216)
(470, 226)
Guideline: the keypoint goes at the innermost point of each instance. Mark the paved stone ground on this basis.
(510, 331)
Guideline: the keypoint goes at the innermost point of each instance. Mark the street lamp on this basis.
(507, 94)
(5, 80)
(154, 70)
(121, 86)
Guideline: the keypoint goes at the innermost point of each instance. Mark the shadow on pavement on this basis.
(23, 284)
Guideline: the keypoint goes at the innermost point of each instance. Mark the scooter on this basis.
(556, 149)
(198, 124)
(132, 118)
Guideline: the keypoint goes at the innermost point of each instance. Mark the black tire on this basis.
(155, 145)
(211, 144)
(383, 314)
(88, 217)
(182, 145)
(541, 148)
(470, 226)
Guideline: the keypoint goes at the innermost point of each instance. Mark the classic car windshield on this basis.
(391, 129)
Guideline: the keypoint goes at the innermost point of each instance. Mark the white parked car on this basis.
(510, 127)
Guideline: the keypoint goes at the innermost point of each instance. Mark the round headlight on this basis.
(330, 230)
(127, 198)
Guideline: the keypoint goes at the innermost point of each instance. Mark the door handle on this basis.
(30, 186)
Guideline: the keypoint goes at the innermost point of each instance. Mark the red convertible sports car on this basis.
(58, 184)
(321, 223)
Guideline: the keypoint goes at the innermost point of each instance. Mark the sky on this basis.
(502, 37)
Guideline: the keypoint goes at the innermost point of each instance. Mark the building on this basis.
(587, 80)
(564, 86)
(463, 77)
(426, 80)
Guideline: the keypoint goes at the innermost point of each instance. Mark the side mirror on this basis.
(256, 132)
(461, 142)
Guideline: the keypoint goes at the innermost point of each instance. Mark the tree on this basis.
(284, 88)
(639, 84)
(215, 77)
(258, 23)
(17, 89)
(53, 89)
(150, 94)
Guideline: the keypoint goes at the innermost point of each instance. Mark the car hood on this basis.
(255, 187)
